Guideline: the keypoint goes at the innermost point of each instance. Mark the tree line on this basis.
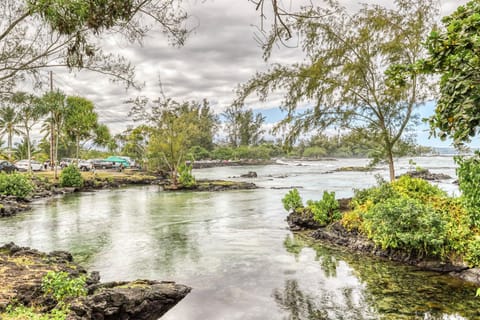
(368, 72)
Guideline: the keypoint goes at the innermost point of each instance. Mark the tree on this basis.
(243, 127)
(80, 120)
(453, 53)
(54, 103)
(30, 111)
(9, 126)
(352, 75)
(135, 142)
(172, 128)
(39, 34)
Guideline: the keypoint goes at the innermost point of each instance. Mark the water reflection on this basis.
(385, 290)
(298, 305)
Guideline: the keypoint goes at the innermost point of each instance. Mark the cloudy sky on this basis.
(220, 53)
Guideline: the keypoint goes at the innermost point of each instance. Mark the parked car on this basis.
(22, 165)
(65, 162)
(8, 167)
(85, 165)
(102, 164)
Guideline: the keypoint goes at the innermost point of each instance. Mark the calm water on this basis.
(235, 250)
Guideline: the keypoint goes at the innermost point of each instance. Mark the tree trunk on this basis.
(29, 151)
(77, 140)
(391, 166)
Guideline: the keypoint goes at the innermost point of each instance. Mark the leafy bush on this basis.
(292, 200)
(472, 254)
(468, 173)
(61, 287)
(223, 153)
(416, 188)
(198, 153)
(325, 211)
(71, 177)
(15, 184)
(406, 223)
(377, 194)
(185, 177)
(314, 152)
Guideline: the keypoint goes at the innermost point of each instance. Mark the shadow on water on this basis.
(378, 289)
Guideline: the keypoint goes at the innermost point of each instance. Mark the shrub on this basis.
(416, 188)
(16, 184)
(185, 177)
(71, 177)
(292, 200)
(198, 153)
(61, 287)
(223, 153)
(406, 224)
(468, 173)
(325, 211)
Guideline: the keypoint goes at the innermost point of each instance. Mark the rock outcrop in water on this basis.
(140, 299)
(22, 270)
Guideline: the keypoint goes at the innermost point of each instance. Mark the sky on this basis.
(220, 53)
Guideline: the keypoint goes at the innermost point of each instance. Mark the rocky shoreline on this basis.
(336, 235)
(22, 270)
(10, 205)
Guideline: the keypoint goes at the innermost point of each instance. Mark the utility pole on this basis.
(53, 161)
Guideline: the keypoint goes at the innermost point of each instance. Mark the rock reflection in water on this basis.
(385, 291)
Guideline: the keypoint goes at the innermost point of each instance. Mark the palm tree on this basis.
(8, 126)
(29, 113)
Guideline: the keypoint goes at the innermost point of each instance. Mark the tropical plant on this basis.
(185, 176)
(30, 111)
(325, 211)
(71, 177)
(9, 121)
(468, 173)
(54, 103)
(408, 224)
(80, 120)
(15, 184)
(292, 201)
(453, 54)
(61, 286)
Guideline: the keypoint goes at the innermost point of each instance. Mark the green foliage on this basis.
(468, 173)
(453, 53)
(186, 178)
(198, 153)
(314, 152)
(325, 211)
(24, 313)
(406, 223)
(71, 177)
(472, 255)
(61, 287)
(244, 127)
(292, 200)
(413, 215)
(223, 153)
(15, 184)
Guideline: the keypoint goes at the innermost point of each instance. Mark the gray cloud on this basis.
(220, 54)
